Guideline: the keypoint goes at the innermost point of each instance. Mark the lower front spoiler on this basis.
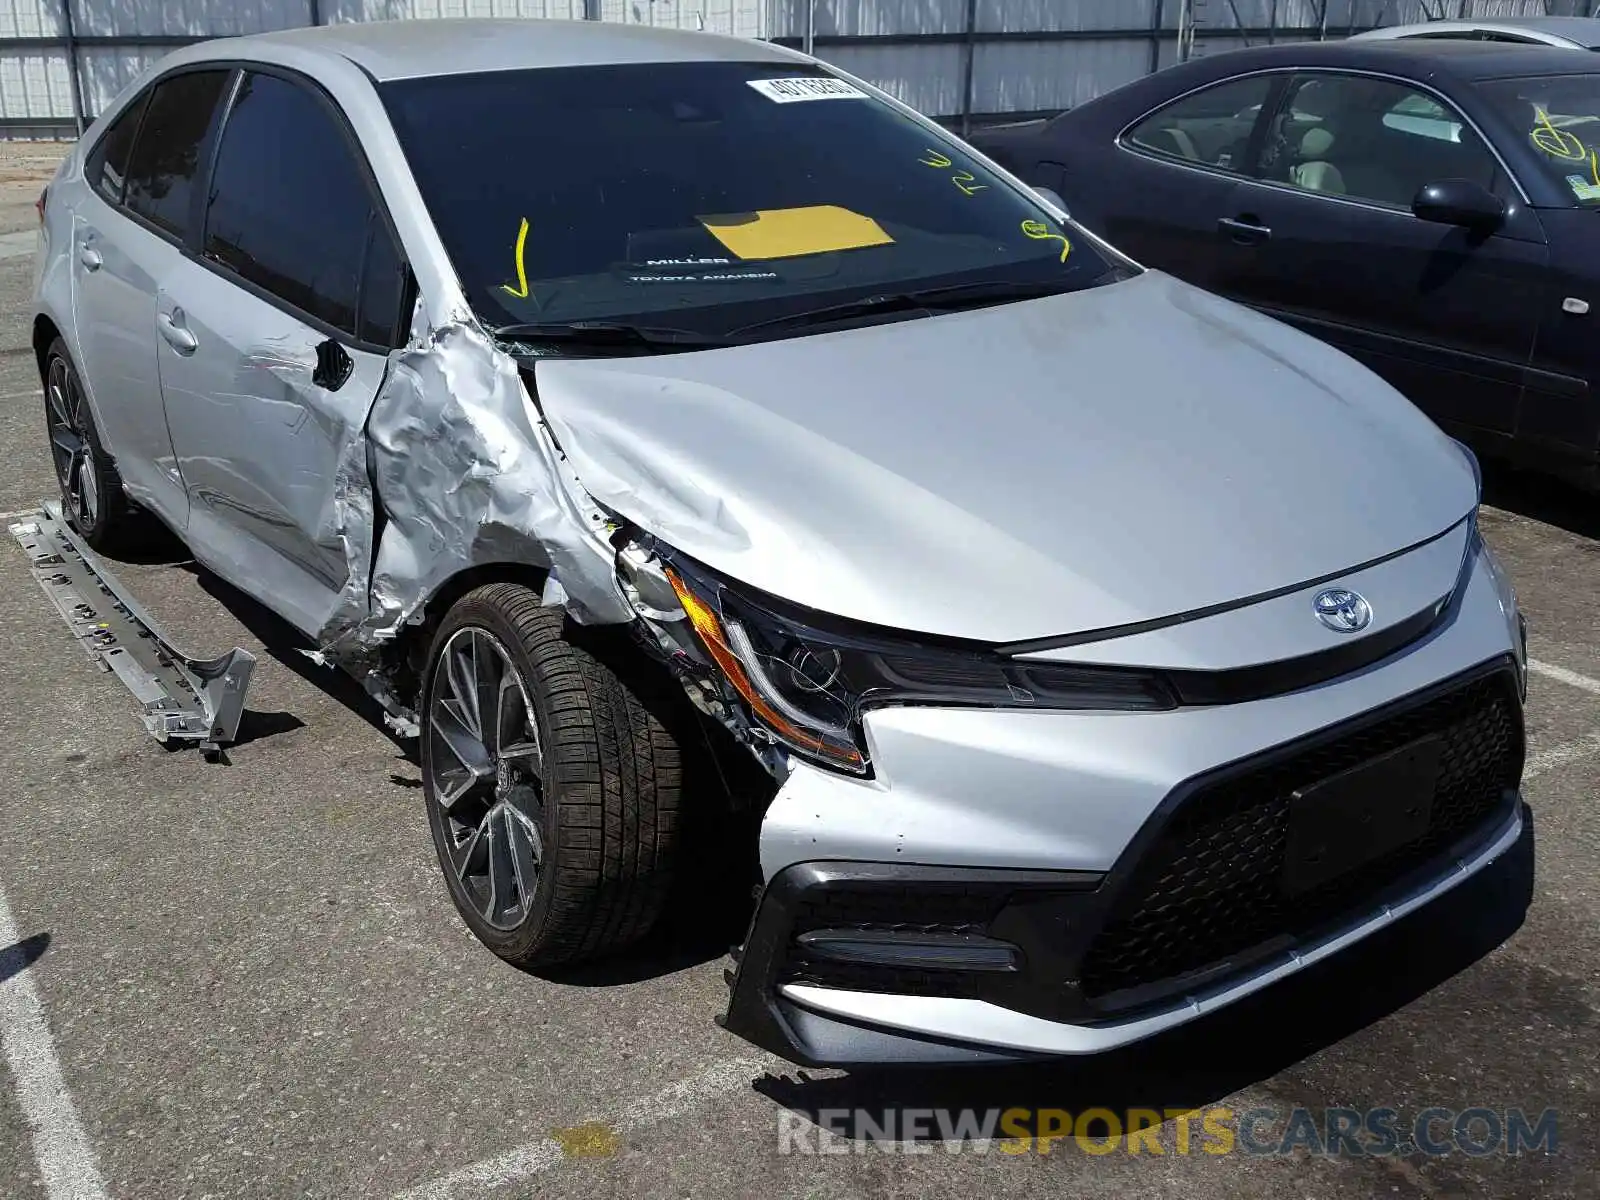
(817, 1026)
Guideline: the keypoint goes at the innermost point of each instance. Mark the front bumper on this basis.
(1019, 884)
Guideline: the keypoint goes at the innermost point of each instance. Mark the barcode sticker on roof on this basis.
(807, 87)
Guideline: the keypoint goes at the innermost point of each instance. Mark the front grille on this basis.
(925, 908)
(1208, 889)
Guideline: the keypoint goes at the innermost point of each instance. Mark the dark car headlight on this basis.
(808, 684)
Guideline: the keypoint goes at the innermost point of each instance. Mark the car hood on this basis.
(1081, 462)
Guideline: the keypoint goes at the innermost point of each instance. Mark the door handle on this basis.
(1245, 231)
(176, 335)
(89, 257)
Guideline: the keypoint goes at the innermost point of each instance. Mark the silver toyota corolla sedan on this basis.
(603, 397)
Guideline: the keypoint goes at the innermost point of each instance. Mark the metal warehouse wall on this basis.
(112, 41)
(983, 58)
(951, 58)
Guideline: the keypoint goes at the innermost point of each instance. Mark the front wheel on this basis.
(552, 792)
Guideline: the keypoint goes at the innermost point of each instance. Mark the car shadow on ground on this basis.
(1202, 1063)
(1543, 499)
(19, 956)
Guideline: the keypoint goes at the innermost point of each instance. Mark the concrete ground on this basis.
(247, 980)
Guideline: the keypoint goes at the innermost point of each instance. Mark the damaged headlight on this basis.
(808, 686)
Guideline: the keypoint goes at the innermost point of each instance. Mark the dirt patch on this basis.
(25, 167)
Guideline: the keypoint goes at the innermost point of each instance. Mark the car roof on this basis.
(1583, 31)
(389, 50)
(1422, 57)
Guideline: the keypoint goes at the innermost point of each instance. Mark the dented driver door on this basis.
(260, 405)
(274, 343)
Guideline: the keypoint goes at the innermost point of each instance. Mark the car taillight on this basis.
(39, 204)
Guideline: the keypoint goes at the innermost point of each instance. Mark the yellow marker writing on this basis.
(962, 178)
(521, 290)
(1594, 167)
(938, 160)
(1041, 232)
(1556, 142)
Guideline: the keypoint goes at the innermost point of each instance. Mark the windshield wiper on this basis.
(956, 296)
(608, 333)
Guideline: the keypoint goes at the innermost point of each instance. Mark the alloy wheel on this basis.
(486, 775)
(70, 446)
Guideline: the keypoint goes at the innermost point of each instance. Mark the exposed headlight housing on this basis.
(808, 685)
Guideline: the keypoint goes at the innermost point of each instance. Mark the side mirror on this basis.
(1049, 196)
(1460, 202)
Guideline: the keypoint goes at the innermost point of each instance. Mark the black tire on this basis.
(604, 800)
(92, 498)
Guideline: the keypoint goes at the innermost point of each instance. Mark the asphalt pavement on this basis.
(247, 979)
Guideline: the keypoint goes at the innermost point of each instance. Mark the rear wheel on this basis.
(92, 499)
(552, 792)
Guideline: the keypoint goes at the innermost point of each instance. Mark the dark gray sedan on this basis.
(1424, 205)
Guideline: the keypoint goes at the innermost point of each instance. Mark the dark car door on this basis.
(1324, 237)
(1158, 192)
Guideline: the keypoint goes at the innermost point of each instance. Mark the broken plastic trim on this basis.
(184, 699)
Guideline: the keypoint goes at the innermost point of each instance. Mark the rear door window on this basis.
(167, 155)
(290, 208)
(1210, 127)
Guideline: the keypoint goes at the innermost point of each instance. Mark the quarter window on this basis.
(290, 209)
(1370, 139)
(166, 156)
(107, 168)
(1211, 127)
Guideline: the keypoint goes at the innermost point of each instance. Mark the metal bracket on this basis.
(184, 699)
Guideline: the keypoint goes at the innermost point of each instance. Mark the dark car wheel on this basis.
(91, 490)
(551, 791)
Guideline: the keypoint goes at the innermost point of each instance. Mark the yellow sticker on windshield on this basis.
(791, 232)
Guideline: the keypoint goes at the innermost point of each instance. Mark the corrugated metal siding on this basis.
(742, 18)
(211, 18)
(1030, 76)
(30, 18)
(928, 78)
(1007, 76)
(34, 86)
(106, 70)
(343, 11)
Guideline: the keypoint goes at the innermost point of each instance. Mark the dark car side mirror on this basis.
(1460, 202)
(1051, 197)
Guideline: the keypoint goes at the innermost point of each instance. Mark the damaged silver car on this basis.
(1106, 651)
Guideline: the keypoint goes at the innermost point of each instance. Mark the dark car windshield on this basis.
(1560, 116)
(708, 196)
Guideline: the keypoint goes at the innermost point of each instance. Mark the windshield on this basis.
(708, 196)
(1560, 115)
